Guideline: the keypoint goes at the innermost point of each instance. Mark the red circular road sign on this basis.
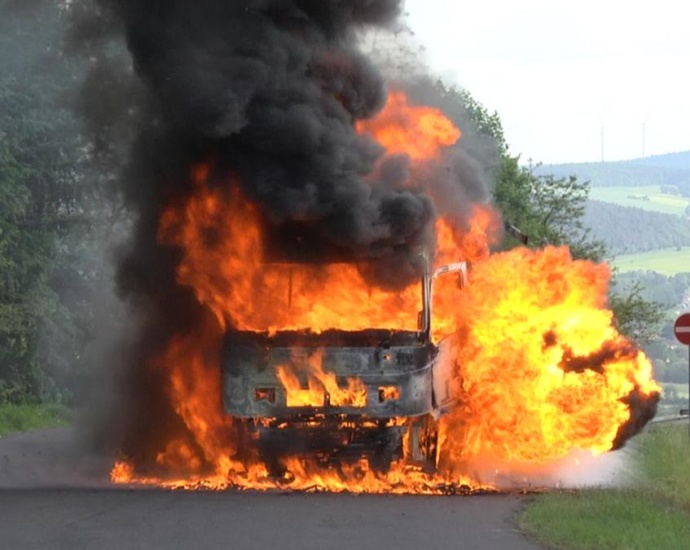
(682, 329)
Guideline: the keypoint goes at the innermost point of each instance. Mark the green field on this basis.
(635, 196)
(668, 262)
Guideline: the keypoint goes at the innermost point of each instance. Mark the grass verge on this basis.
(664, 462)
(610, 519)
(22, 418)
(654, 512)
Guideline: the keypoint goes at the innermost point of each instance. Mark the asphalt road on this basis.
(50, 499)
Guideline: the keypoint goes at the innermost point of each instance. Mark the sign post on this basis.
(682, 331)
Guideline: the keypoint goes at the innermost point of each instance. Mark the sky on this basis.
(562, 73)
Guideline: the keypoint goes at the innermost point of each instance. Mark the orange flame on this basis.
(389, 393)
(542, 369)
(228, 274)
(417, 131)
(122, 472)
(228, 269)
(322, 385)
(538, 368)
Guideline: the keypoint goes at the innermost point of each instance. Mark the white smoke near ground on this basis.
(583, 470)
(579, 470)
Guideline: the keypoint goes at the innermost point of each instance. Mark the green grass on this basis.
(654, 512)
(668, 262)
(664, 462)
(610, 519)
(22, 418)
(632, 196)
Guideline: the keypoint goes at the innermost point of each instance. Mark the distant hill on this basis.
(669, 160)
(627, 230)
(671, 169)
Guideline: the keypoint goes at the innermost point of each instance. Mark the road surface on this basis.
(48, 500)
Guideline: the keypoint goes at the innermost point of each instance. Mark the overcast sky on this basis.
(558, 72)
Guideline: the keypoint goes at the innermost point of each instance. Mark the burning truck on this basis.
(323, 380)
(342, 395)
(296, 271)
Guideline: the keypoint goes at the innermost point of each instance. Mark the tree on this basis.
(636, 317)
(44, 199)
(549, 210)
(26, 237)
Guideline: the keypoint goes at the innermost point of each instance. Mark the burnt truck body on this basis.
(407, 389)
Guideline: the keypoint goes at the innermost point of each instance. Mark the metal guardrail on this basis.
(684, 414)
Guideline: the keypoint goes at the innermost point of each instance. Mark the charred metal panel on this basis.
(336, 442)
(397, 373)
(446, 385)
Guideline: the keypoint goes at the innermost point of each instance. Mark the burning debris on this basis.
(300, 265)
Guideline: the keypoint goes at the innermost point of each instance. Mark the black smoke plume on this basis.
(270, 91)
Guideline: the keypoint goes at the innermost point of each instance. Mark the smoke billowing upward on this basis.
(269, 93)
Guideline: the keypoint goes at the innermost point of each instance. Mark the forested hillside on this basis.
(628, 230)
(670, 292)
(679, 160)
(671, 169)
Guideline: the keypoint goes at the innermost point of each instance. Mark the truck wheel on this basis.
(380, 463)
(423, 443)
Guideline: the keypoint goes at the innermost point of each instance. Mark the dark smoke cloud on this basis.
(269, 90)
(13, 7)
